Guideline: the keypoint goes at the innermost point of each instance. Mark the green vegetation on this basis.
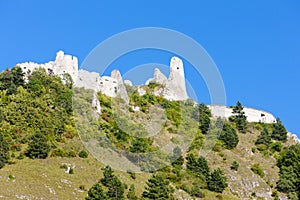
(229, 136)
(4, 151)
(158, 188)
(257, 170)
(38, 147)
(217, 181)
(36, 120)
(279, 132)
(234, 166)
(204, 118)
(239, 117)
(288, 163)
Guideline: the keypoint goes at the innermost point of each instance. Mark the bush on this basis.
(257, 170)
(4, 151)
(234, 166)
(71, 171)
(83, 154)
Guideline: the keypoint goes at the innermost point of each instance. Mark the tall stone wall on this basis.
(63, 64)
(253, 115)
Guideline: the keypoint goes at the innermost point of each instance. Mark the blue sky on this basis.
(255, 44)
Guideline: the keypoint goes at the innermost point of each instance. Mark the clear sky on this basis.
(255, 44)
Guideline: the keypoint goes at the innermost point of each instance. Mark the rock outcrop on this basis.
(174, 87)
(158, 78)
(121, 89)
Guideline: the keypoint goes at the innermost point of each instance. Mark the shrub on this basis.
(234, 166)
(83, 154)
(257, 170)
(71, 171)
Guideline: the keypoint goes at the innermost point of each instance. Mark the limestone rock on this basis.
(141, 91)
(128, 82)
(121, 89)
(159, 78)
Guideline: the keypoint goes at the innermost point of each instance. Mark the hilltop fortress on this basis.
(173, 87)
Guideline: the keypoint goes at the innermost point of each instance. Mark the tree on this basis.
(279, 132)
(229, 136)
(107, 176)
(239, 117)
(131, 193)
(158, 188)
(288, 163)
(38, 148)
(4, 154)
(199, 167)
(115, 189)
(96, 192)
(204, 118)
(10, 80)
(177, 159)
(217, 181)
(264, 138)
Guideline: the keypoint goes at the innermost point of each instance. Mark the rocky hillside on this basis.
(70, 136)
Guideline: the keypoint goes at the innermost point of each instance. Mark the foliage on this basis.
(204, 118)
(10, 80)
(96, 192)
(239, 117)
(279, 132)
(199, 166)
(288, 163)
(4, 151)
(229, 136)
(158, 188)
(177, 159)
(234, 166)
(217, 181)
(131, 193)
(38, 147)
(264, 138)
(83, 154)
(257, 170)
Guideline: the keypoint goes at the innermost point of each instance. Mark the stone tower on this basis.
(175, 88)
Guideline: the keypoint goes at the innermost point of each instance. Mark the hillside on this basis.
(57, 140)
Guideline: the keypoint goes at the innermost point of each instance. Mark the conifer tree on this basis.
(96, 193)
(217, 181)
(204, 118)
(158, 188)
(279, 132)
(239, 117)
(4, 154)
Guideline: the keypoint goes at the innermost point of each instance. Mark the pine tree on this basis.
(279, 132)
(217, 181)
(264, 138)
(96, 193)
(239, 117)
(204, 118)
(38, 148)
(229, 136)
(158, 188)
(177, 159)
(199, 167)
(18, 76)
(115, 189)
(107, 176)
(4, 154)
(192, 163)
